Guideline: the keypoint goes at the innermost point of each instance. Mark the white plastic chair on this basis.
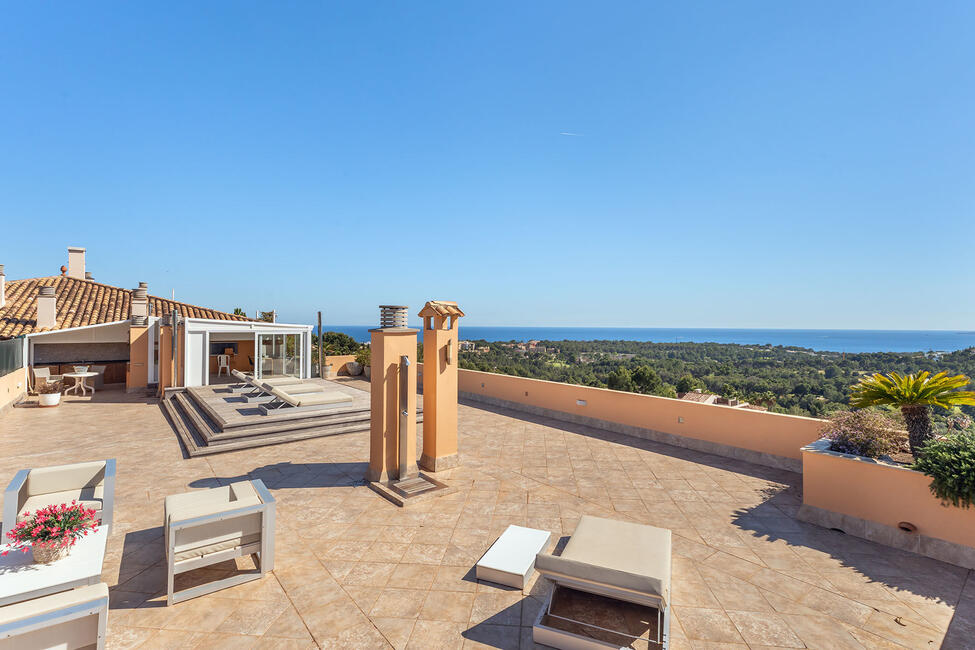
(223, 363)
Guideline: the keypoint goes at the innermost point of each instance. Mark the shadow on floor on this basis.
(288, 475)
(900, 572)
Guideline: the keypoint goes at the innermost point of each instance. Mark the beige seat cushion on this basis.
(296, 389)
(44, 604)
(280, 381)
(88, 497)
(618, 553)
(311, 399)
(218, 535)
(59, 478)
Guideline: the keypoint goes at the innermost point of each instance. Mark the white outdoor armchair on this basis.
(43, 375)
(91, 484)
(210, 526)
(70, 619)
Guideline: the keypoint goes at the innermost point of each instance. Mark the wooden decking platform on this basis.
(212, 419)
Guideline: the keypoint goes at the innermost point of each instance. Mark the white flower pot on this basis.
(49, 399)
(355, 368)
(367, 371)
(329, 371)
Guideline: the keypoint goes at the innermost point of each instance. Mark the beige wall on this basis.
(338, 362)
(239, 361)
(137, 372)
(880, 493)
(12, 386)
(769, 433)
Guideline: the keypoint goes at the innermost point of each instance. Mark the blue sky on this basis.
(747, 164)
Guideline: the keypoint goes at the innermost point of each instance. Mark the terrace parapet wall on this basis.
(875, 500)
(759, 437)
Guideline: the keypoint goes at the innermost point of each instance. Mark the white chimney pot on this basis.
(46, 308)
(3, 287)
(76, 262)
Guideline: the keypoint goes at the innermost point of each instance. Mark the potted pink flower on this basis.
(51, 532)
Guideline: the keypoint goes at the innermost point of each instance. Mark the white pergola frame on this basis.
(208, 326)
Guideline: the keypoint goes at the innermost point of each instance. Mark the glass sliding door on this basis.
(279, 355)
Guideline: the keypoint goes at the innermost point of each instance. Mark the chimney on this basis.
(46, 309)
(140, 306)
(393, 316)
(76, 262)
(3, 287)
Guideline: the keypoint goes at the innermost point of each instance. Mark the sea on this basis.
(824, 340)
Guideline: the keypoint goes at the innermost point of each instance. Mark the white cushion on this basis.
(59, 478)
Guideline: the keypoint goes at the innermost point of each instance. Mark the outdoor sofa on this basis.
(91, 484)
(206, 527)
(69, 619)
(611, 581)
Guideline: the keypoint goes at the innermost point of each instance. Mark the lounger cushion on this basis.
(279, 381)
(311, 399)
(296, 389)
(59, 478)
(88, 497)
(30, 608)
(615, 553)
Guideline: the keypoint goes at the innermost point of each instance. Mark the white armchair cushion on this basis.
(60, 478)
(88, 497)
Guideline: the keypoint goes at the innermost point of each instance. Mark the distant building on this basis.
(698, 396)
(468, 345)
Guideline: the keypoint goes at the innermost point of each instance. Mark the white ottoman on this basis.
(511, 559)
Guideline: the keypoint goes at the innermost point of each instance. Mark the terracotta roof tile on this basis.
(83, 302)
(442, 308)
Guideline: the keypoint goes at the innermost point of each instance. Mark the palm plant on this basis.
(913, 393)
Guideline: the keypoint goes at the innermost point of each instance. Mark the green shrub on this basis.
(364, 356)
(950, 462)
(862, 433)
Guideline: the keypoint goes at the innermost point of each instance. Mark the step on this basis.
(183, 429)
(212, 435)
(250, 442)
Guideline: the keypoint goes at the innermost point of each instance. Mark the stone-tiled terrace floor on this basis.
(354, 571)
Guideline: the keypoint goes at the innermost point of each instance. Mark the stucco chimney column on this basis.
(76, 262)
(440, 347)
(46, 308)
(3, 287)
(391, 343)
(137, 370)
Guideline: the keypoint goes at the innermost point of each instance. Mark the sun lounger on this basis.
(285, 400)
(613, 567)
(244, 379)
(263, 393)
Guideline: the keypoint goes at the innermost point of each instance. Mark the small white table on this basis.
(79, 382)
(511, 559)
(21, 579)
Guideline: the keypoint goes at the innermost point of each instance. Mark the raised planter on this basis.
(885, 503)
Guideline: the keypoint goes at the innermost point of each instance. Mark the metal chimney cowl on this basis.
(393, 316)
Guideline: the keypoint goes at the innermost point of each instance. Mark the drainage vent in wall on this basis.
(838, 530)
(907, 527)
